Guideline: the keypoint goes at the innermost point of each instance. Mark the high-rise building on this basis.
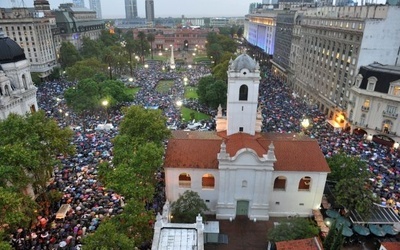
(79, 3)
(96, 6)
(131, 9)
(32, 31)
(335, 42)
(150, 11)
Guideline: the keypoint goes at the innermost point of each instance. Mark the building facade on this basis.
(131, 9)
(95, 5)
(72, 24)
(32, 31)
(260, 30)
(239, 171)
(150, 11)
(375, 101)
(17, 92)
(79, 3)
(335, 42)
(283, 44)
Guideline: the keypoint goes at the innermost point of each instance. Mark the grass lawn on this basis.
(197, 115)
(201, 58)
(190, 92)
(132, 91)
(164, 86)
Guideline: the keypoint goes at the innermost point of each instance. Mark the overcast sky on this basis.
(162, 8)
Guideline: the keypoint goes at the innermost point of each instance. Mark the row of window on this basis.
(208, 182)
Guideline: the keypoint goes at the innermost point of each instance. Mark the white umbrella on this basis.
(63, 244)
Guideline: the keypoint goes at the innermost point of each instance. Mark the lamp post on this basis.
(105, 104)
(110, 70)
(396, 145)
(305, 123)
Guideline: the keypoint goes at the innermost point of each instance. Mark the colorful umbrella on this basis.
(361, 230)
(346, 231)
(342, 221)
(332, 213)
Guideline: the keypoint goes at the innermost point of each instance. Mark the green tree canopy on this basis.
(91, 48)
(69, 55)
(87, 68)
(353, 189)
(293, 229)
(108, 236)
(187, 207)
(212, 92)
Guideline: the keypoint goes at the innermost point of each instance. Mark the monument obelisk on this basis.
(172, 59)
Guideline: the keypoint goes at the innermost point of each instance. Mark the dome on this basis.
(244, 61)
(10, 51)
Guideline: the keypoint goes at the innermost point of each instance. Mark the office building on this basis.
(95, 5)
(131, 9)
(79, 3)
(75, 23)
(32, 31)
(335, 42)
(150, 11)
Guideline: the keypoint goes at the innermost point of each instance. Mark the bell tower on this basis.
(242, 100)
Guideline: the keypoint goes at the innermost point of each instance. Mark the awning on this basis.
(379, 215)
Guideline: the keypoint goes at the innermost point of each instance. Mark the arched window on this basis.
(24, 82)
(280, 183)
(243, 92)
(305, 183)
(208, 181)
(184, 180)
(7, 90)
(1, 90)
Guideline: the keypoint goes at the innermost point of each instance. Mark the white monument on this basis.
(172, 59)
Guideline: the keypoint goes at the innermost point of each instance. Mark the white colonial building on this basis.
(17, 92)
(375, 102)
(240, 171)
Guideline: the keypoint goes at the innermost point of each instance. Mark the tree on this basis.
(240, 31)
(90, 48)
(88, 68)
(84, 96)
(17, 210)
(343, 166)
(29, 147)
(142, 44)
(352, 189)
(108, 236)
(151, 38)
(69, 55)
(212, 92)
(187, 207)
(293, 229)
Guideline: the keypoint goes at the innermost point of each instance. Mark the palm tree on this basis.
(150, 38)
(142, 38)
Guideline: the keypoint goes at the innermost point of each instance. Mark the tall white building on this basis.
(238, 170)
(79, 3)
(96, 6)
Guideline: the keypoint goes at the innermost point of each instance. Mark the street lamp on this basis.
(179, 103)
(305, 123)
(369, 137)
(185, 80)
(396, 145)
(146, 66)
(105, 104)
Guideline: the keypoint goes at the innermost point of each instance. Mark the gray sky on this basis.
(163, 8)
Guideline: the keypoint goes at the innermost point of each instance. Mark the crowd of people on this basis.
(90, 202)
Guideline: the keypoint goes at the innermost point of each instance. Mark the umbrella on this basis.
(389, 229)
(332, 213)
(63, 244)
(377, 230)
(361, 230)
(342, 221)
(346, 231)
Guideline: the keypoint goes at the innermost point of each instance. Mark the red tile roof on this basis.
(303, 244)
(199, 150)
(391, 245)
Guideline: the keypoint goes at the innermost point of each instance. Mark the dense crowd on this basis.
(91, 202)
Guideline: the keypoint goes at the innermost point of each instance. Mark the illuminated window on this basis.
(305, 183)
(184, 180)
(208, 181)
(280, 183)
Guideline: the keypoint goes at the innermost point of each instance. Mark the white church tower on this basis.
(242, 102)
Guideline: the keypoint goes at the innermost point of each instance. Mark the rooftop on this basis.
(303, 244)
